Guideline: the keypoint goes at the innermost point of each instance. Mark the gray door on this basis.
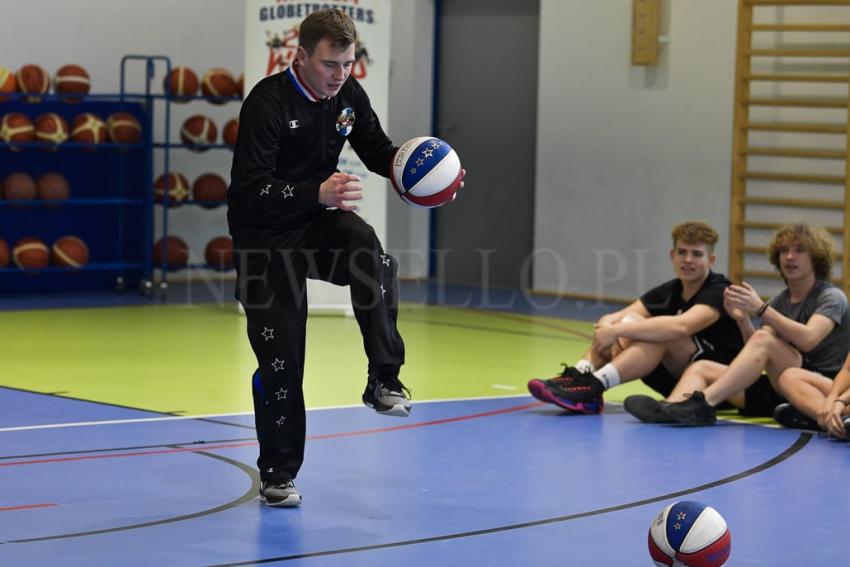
(487, 110)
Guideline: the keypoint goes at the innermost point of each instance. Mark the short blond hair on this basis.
(695, 232)
(815, 240)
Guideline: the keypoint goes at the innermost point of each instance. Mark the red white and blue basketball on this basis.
(689, 534)
(426, 172)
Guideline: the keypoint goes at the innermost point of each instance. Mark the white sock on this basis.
(584, 365)
(608, 375)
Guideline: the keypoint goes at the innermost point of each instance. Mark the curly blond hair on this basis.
(815, 240)
(695, 232)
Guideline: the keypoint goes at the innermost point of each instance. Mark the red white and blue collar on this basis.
(300, 85)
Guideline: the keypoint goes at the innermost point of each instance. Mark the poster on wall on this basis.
(271, 39)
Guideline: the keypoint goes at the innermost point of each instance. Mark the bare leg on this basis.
(764, 351)
(698, 376)
(641, 358)
(805, 390)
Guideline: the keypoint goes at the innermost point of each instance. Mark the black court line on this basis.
(497, 330)
(249, 495)
(801, 442)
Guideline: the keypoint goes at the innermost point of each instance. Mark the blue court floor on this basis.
(502, 481)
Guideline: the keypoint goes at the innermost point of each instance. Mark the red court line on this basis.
(26, 507)
(198, 448)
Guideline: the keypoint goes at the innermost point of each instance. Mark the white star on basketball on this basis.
(281, 394)
(268, 334)
(435, 144)
(277, 365)
(413, 171)
(288, 192)
(681, 516)
(428, 153)
(420, 162)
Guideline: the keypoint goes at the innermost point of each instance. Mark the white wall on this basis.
(624, 152)
(202, 34)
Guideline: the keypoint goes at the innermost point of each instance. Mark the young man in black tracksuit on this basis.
(291, 216)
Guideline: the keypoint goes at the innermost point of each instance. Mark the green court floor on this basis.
(196, 359)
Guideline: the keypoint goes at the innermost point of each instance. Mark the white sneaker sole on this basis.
(288, 502)
(397, 410)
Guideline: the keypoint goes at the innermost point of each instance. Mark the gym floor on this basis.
(126, 438)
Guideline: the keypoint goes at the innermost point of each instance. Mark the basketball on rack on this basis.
(32, 80)
(69, 252)
(88, 128)
(52, 186)
(426, 172)
(689, 534)
(123, 128)
(180, 84)
(8, 83)
(198, 132)
(16, 127)
(19, 187)
(178, 188)
(210, 190)
(50, 128)
(173, 250)
(71, 81)
(30, 254)
(230, 132)
(4, 254)
(218, 85)
(219, 253)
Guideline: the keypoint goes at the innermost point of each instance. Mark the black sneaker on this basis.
(693, 411)
(647, 409)
(280, 493)
(788, 416)
(573, 390)
(387, 396)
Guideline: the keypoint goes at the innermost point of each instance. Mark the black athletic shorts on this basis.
(663, 382)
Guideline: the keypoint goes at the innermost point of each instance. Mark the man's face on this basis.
(795, 261)
(691, 261)
(326, 69)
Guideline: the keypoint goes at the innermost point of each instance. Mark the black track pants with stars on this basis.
(272, 268)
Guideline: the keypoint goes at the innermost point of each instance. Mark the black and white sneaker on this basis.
(280, 493)
(387, 396)
(788, 416)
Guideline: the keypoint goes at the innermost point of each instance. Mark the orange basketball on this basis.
(219, 253)
(73, 80)
(16, 127)
(230, 131)
(53, 186)
(19, 187)
(30, 254)
(69, 252)
(50, 128)
(8, 82)
(173, 250)
(178, 189)
(4, 254)
(180, 84)
(240, 85)
(197, 132)
(123, 128)
(210, 189)
(218, 85)
(88, 128)
(33, 80)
